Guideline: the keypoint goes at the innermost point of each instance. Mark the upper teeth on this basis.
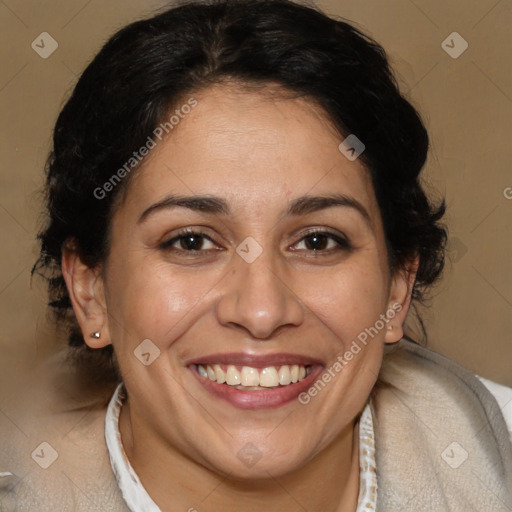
(268, 377)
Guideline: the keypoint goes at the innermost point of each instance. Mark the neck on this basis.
(329, 482)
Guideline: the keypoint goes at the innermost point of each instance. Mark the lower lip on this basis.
(262, 399)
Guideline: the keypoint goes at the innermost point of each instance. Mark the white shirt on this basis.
(138, 500)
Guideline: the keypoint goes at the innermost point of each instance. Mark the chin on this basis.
(251, 464)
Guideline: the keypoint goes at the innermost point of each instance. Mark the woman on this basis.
(236, 233)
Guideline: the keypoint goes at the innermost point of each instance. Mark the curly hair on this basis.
(146, 69)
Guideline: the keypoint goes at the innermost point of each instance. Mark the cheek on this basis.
(151, 301)
(348, 300)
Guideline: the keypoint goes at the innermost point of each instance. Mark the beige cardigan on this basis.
(442, 442)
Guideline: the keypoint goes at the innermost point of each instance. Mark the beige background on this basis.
(466, 103)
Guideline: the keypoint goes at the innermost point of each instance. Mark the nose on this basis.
(259, 297)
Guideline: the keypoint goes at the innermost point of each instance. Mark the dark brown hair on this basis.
(145, 68)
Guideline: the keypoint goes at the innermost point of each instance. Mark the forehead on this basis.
(256, 149)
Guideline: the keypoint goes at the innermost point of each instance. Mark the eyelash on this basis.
(343, 243)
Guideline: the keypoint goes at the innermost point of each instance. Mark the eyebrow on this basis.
(216, 206)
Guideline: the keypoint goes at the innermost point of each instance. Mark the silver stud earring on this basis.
(95, 335)
(390, 327)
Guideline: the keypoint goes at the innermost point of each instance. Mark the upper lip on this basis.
(255, 360)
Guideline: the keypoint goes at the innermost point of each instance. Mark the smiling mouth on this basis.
(247, 378)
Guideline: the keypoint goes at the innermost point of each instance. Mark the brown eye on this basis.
(189, 241)
(316, 242)
(319, 241)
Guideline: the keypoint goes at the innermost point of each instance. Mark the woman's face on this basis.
(289, 267)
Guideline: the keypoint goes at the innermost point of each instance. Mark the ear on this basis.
(85, 289)
(400, 300)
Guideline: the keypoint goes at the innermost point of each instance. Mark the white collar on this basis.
(134, 494)
(137, 498)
